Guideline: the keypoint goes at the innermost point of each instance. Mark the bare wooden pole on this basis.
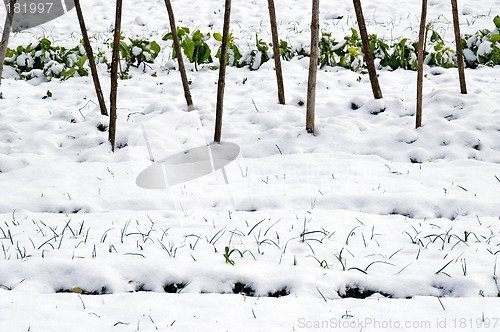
(114, 74)
(313, 68)
(222, 72)
(9, 18)
(458, 42)
(377, 93)
(90, 56)
(178, 51)
(420, 59)
(276, 51)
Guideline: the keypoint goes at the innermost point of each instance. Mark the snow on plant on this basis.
(45, 59)
(402, 54)
(233, 54)
(441, 55)
(194, 46)
(352, 56)
(483, 47)
(255, 57)
(346, 53)
(260, 55)
(53, 61)
(137, 52)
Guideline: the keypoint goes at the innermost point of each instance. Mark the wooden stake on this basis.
(114, 74)
(222, 72)
(313, 68)
(178, 51)
(458, 42)
(276, 51)
(90, 56)
(420, 71)
(377, 93)
(6, 35)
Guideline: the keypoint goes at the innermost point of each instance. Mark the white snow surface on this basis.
(408, 219)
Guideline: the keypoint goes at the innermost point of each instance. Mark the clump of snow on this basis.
(25, 60)
(136, 50)
(484, 48)
(469, 55)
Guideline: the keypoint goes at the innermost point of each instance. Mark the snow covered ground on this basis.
(368, 225)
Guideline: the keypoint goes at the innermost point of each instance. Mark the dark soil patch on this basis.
(78, 290)
(241, 288)
(279, 293)
(174, 288)
(360, 293)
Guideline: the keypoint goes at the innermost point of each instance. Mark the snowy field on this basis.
(369, 225)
